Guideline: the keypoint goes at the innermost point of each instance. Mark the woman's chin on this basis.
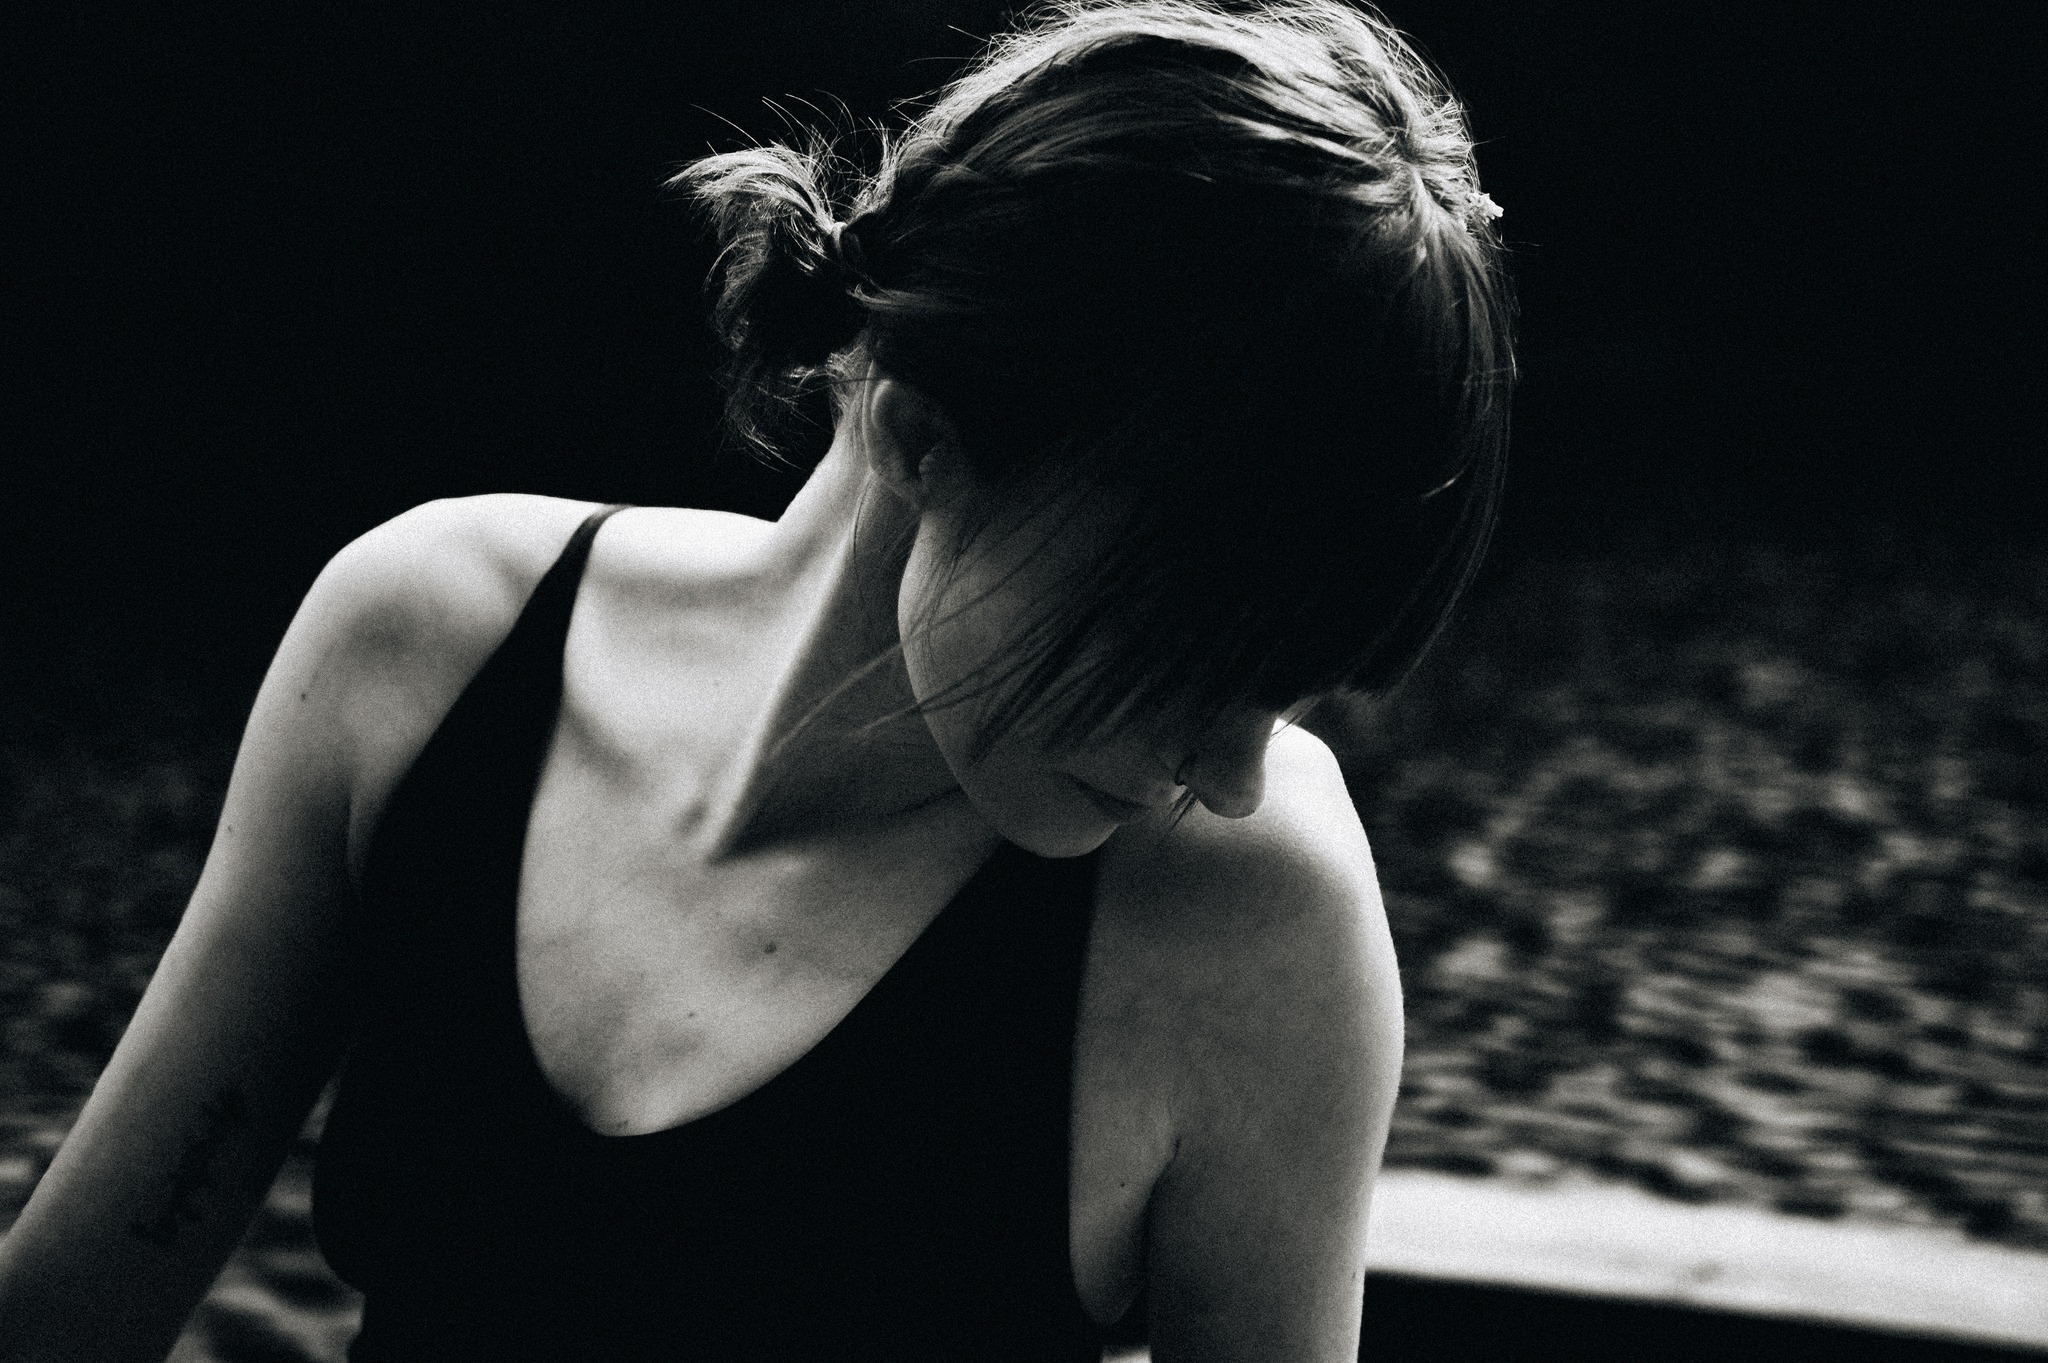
(1051, 835)
(1067, 842)
(1038, 810)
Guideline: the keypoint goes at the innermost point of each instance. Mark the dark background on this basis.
(275, 275)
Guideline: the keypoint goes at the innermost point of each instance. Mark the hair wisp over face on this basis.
(1224, 268)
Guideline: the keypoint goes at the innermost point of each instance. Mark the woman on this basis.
(914, 928)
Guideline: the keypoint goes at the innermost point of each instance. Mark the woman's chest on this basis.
(655, 989)
(656, 986)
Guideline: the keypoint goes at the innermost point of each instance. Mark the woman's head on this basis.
(964, 617)
(1215, 280)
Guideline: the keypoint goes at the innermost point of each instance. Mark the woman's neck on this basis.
(839, 744)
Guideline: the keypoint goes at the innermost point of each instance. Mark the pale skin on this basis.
(709, 886)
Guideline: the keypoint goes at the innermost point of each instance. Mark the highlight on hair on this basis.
(1223, 270)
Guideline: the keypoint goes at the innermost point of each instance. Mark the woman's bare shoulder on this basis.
(1263, 941)
(430, 593)
(400, 620)
(404, 616)
(444, 578)
(1287, 879)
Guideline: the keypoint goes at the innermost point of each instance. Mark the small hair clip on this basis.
(1484, 208)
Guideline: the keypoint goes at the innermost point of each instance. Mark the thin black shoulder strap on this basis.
(519, 688)
(554, 596)
(479, 766)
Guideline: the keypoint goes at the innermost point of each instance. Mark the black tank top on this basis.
(899, 1193)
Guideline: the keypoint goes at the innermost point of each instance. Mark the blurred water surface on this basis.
(1726, 872)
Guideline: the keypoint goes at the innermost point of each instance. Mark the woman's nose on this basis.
(1227, 772)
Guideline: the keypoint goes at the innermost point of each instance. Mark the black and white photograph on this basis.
(1090, 681)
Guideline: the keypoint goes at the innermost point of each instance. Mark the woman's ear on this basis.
(911, 445)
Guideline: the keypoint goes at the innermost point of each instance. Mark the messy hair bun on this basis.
(783, 286)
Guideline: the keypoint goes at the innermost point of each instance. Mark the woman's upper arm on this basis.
(246, 1014)
(1291, 1055)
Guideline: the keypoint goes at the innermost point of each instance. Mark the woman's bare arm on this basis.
(1288, 1058)
(247, 1013)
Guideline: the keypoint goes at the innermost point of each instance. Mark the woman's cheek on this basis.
(1011, 783)
(959, 629)
(955, 630)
